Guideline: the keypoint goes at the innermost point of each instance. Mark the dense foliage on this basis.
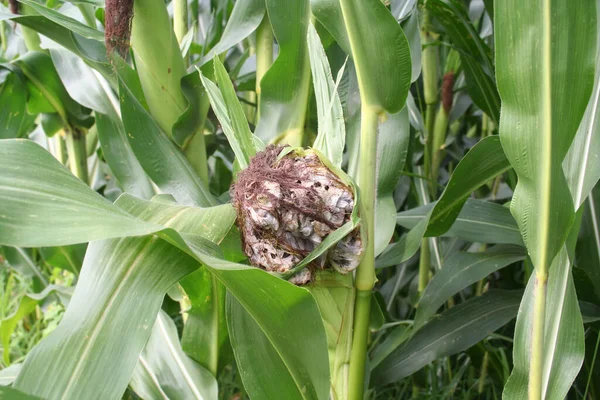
(451, 146)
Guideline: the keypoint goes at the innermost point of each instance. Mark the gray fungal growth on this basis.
(286, 207)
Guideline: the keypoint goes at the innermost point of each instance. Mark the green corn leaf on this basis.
(475, 55)
(460, 271)
(482, 163)
(384, 69)
(14, 120)
(41, 75)
(284, 87)
(329, 13)
(276, 311)
(536, 100)
(91, 90)
(562, 44)
(392, 147)
(63, 20)
(32, 183)
(230, 114)
(478, 221)
(244, 19)
(9, 374)
(205, 337)
(117, 298)
(564, 341)
(331, 135)
(335, 297)
(159, 63)
(135, 266)
(162, 161)
(164, 371)
(59, 30)
(14, 394)
(455, 330)
(8, 325)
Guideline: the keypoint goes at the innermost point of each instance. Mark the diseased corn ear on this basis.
(117, 24)
(287, 206)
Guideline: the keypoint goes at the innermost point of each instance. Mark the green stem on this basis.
(484, 369)
(3, 35)
(31, 38)
(537, 346)
(360, 340)
(195, 148)
(264, 55)
(59, 148)
(180, 19)
(365, 274)
(591, 369)
(424, 264)
(439, 138)
(77, 154)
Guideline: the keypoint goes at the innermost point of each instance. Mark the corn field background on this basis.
(154, 244)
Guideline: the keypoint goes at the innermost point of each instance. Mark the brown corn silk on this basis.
(117, 21)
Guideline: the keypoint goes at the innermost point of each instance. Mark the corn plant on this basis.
(324, 199)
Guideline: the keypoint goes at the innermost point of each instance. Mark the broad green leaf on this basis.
(335, 296)
(454, 331)
(91, 51)
(162, 161)
(329, 13)
(13, 99)
(478, 221)
(159, 63)
(482, 163)
(563, 335)
(284, 87)
(43, 204)
(542, 109)
(9, 374)
(392, 147)
(68, 22)
(117, 298)
(460, 271)
(298, 336)
(560, 40)
(230, 114)
(91, 90)
(383, 70)
(265, 373)
(205, 337)
(286, 315)
(392, 341)
(475, 55)
(411, 29)
(164, 371)
(244, 19)
(331, 135)
(42, 76)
